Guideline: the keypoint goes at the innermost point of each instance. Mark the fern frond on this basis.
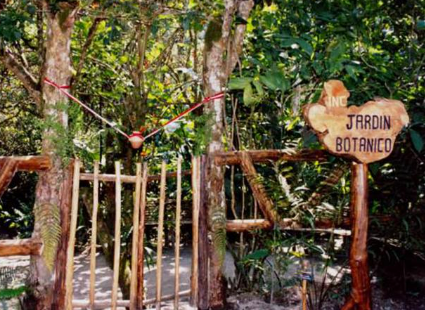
(48, 217)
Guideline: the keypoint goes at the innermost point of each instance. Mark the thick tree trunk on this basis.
(51, 194)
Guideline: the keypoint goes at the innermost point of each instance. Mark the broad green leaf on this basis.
(351, 71)
(275, 80)
(417, 140)
(239, 83)
(259, 88)
(337, 51)
(257, 255)
(305, 46)
(421, 24)
(248, 96)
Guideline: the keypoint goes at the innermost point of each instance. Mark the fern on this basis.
(48, 217)
(219, 233)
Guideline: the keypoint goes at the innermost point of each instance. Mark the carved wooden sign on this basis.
(366, 133)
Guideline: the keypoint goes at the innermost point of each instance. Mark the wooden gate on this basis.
(140, 181)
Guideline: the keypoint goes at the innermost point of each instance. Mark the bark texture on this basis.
(53, 185)
(360, 292)
(7, 171)
(222, 48)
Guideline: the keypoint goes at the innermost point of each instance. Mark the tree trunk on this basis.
(222, 49)
(51, 191)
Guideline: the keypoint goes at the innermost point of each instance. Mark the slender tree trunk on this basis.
(51, 192)
(222, 49)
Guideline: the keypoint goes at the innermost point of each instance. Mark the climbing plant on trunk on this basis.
(223, 45)
(52, 192)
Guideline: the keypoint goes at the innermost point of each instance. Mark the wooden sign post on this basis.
(364, 134)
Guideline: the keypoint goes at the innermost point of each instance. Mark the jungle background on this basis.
(140, 63)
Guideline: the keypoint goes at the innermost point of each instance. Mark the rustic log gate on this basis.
(140, 180)
(200, 245)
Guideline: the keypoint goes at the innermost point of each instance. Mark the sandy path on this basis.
(104, 277)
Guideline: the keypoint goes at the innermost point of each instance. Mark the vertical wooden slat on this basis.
(177, 243)
(160, 236)
(203, 238)
(195, 230)
(117, 239)
(73, 229)
(140, 257)
(134, 250)
(94, 234)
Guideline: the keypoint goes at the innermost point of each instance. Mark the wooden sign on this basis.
(366, 133)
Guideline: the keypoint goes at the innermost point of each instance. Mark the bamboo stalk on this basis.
(160, 235)
(177, 243)
(117, 239)
(73, 229)
(94, 234)
(141, 227)
(195, 231)
(134, 250)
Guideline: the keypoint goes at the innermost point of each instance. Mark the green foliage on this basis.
(213, 33)
(48, 218)
(14, 19)
(417, 140)
(10, 293)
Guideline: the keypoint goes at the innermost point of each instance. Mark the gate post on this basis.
(361, 292)
(203, 238)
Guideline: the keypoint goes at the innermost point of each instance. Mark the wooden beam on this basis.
(7, 171)
(246, 225)
(128, 178)
(28, 163)
(264, 202)
(20, 247)
(234, 158)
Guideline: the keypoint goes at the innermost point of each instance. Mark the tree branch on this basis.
(235, 45)
(87, 44)
(29, 82)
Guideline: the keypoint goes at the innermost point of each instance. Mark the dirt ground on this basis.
(387, 292)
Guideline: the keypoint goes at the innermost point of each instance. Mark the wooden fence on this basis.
(140, 181)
